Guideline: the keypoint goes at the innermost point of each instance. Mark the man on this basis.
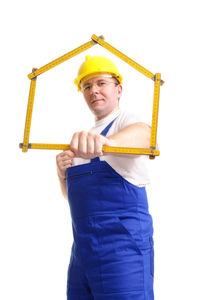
(112, 255)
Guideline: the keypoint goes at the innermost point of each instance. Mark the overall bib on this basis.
(112, 255)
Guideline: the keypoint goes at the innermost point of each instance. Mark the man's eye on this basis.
(87, 87)
(102, 83)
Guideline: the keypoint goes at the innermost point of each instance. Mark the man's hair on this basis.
(116, 80)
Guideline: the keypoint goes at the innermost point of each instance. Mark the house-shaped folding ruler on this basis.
(152, 152)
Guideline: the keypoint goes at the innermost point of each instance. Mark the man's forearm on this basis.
(137, 135)
(63, 187)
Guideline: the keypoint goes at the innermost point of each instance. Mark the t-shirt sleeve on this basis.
(127, 119)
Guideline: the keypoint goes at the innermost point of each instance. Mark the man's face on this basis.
(101, 94)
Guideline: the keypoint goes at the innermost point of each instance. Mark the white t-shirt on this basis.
(132, 168)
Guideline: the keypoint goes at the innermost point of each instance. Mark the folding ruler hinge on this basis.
(98, 38)
(33, 72)
(21, 145)
(161, 81)
(152, 156)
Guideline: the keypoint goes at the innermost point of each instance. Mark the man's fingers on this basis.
(66, 157)
(83, 141)
(65, 165)
(67, 153)
(90, 144)
(75, 143)
(67, 160)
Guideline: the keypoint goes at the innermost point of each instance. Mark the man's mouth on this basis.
(96, 100)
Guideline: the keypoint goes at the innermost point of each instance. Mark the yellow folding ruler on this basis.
(152, 152)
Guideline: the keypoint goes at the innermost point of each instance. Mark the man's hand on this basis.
(64, 160)
(88, 144)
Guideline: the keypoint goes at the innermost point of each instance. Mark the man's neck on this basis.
(97, 118)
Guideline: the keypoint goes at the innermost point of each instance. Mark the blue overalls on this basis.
(112, 255)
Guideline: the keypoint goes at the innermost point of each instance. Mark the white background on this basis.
(35, 224)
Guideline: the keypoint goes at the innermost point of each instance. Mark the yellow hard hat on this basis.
(94, 66)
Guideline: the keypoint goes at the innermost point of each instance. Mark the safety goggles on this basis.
(99, 84)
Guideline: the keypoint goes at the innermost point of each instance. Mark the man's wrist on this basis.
(112, 142)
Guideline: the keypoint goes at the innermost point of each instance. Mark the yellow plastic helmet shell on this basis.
(96, 65)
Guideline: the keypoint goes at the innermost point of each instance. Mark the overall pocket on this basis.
(121, 262)
(131, 225)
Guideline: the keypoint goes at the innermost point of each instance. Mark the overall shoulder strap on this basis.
(104, 132)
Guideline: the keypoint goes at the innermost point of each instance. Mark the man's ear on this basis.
(119, 89)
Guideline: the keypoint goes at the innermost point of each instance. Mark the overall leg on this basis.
(126, 264)
(77, 283)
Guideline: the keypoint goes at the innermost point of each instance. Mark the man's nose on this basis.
(94, 88)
